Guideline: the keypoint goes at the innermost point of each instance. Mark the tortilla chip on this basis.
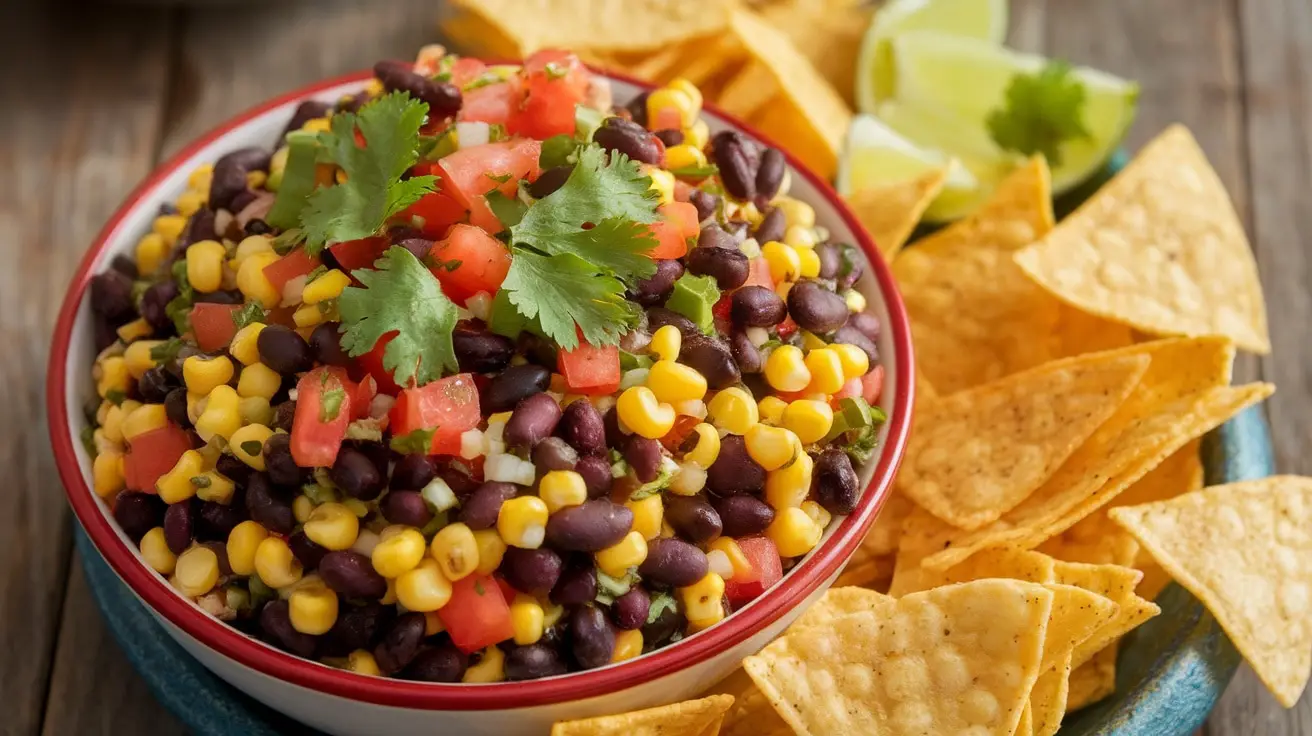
(1093, 680)
(1242, 549)
(945, 661)
(828, 32)
(839, 602)
(1158, 248)
(1048, 698)
(601, 24)
(891, 212)
(1177, 475)
(1079, 332)
(975, 317)
(751, 714)
(1117, 584)
(978, 453)
(1078, 615)
(1016, 564)
(749, 90)
(873, 573)
(924, 389)
(1095, 541)
(473, 34)
(689, 718)
(882, 539)
(1026, 725)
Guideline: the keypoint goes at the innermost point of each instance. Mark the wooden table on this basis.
(94, 99)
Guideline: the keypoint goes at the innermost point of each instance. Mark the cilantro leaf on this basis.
(509, 210)
(401, 296)
(250, 312)
(416, 442)
(1042, 111)
(562, 290)
(373, 190)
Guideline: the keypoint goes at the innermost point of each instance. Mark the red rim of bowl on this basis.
(259, 656)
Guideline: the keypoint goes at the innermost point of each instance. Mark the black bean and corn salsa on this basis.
(472, 377)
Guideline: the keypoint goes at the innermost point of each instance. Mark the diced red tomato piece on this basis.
(493, 104)
(555, 82)
(296, 263)
(682, 189)
(850, 390)
(758, 274)
(683, 215)
(677, 223)
(212, 325)
(438, 210)
(471, 172)
(786, 328)
(767, 569)
(588, 369)
(683, 425)
(466, 70)
(872, 385)
(152, 454)
(362, 396)
(477, 616)
(468, 261)
(448, 406)
(507, 590)
(318, 430)
(280, 316)
(372, 363)
(355, 254)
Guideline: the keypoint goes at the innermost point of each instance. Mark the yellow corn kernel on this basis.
(702, 599)
(155, 551)
(707, 448)
(433, 624)
(244, 344)
(796, 212)
(211, 452)
(663, 182)
(277, 168)
(357, 507)
(137, 357)
(771, 447)
(312, 608)
(302, 507)
(800, 237)
(190, 201)
(252, 282)
(247, 444)
(782, 290)
(222, 414)
(671, 98)
(256, 179)
(308, 315)
(855, 300)
(666, 343)
(332, 526)
(134, 330)
(628, 644)
(808, 262)
(789, 486)
(214, 486)
(107, 473)
(616, 559)
(674, 382)
(561, 488)
(697, 134)
(205, 265)
(737, 558)
(248, 247)
(176, 485)
(275, 563)
(258, 379)
(793, 532)
(854, 360)
(526, 619)
(648, 513)
(491, 667)
(786, 369)
(750, 212)
(680, 84)
(195, 405)
(363, 663)
(424, 588)
(150, 253)
(491, 548)
(317, 125)
(113, 376)
(200, 177)
(196, 571)
(255, 410)
(400, 549)
(243, 540)
(169, 227)
(783, 261)
(771, 409)
(522, 522)
(809, 419)
(819, 514)
(684, 156)
(826, 370)
(455, 550)
(689, 480)
(733, 410)
(811, 342)
(202, 374)
(642, 412)
(328, 286)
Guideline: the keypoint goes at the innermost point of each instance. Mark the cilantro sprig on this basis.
(1042, 111)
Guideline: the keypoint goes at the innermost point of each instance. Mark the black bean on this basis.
(269, 505)
(815, 308)
(514, 384)
(611, 421)
(705, 202)
(553, 453)
(581, 425)
(711, 358)
(326, 344)
(831, 259)
(413, 472)
(537, 350)
(239, 203)
(200, 226)
(216, 520)
(351, 574)
(443, 98)
(229, 178)
(693, 518)
(103, 332)
(736, 157)
(728, 266)
(357, 475)
(283, 350)
(757, 306)
(235, 470)
(532, 662)
(483, 507)
(630, 610)
(850, 269)
(589, 527)
(834, 483)
(865, 323)
(356, 627)
(734, 471)
(442, 663)
(655, 289)
(276, 622)
(852, 336)
(419, 247)
(306, 551)
(592, 639)
(666, 624)
(155, 385)
(175, 406)
(628, 138)
(405, 507)
(658, 317)
(531, 571)
(714, 236)
(480, 351)
(401, 642)
(637, 108)
(745, 352)
(111, 296)
(772, 226)
(278, 461)
(124, 265)
(154, 301)
(670, 136)
(769, 174)
(550, 180)
(644, 457)
(138, 513)
(305, 112)
(673, 562)
(744, 515)
(578, 582)
(596, 474)
(533, 420)
(179, 525)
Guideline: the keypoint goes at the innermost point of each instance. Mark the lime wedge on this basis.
(875, 156)
(967, 79)
(980, 19)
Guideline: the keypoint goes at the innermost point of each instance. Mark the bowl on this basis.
(340, 702)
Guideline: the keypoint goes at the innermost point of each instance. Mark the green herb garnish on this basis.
(1042, 111)
(416, 442)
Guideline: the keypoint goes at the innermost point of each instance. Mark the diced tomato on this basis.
(296, 263)
(372, 363)
(280, 316)
(471, 172)
(787, 328)
(758, 274)
(683, 425)
(466, 70)
(682, 189)
(683, 215)
(362, 396)
(766, 570)
(670, 243)
(354, 254)
(850, 390)
(493, 104)
(468, 261)
(507, 590)
(477, 616)
(448, 407)
(666, 118)
(588, 369)
(212, 325)
(318, 430)
(152, 454)
(555, 82)
(438, 210)
(872, 385)
(722, 307)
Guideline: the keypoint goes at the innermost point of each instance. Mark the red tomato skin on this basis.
(449, 406)
(851, 389)
(315, 443)
(466, 70)
(476, 620)
(549, 99)
(484, 262)
(212, 325)
(438, 211)
(507, 590)
(356, 254)
(872, 385)
(372, 363)
(758, 274)
(493, 104)
(295, 263)
(589, 369)
(677, 223)
(152, 454)
(683, 215)
(767, 569)
(786, 328)
(471, 172)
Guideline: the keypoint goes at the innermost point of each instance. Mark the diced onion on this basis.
(635, 377)
(480, 305)
(439, 495)
(719, 563)
(691, 408)
(365, 543)
(509, 469)
(469, 135)
(472, 444)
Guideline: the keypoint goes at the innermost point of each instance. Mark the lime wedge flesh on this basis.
(985, 20)
(875, 156)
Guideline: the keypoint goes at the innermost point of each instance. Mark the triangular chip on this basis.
(839, 602)
(956, 659)
(1096, 541)
(1016, 564)
(751, 714)
(891, 212)
(829, 32)
(883, 536)
(601, 24)
(873, 572)
(1117, 584)
(1048, 698)
(748, 91)
(1093, 680)
(1159, 248)
(1026, 725)
(1078, 614)
(689, 718)
(1079, 332)
(975, 316)
(1243, 549)
(978, 453)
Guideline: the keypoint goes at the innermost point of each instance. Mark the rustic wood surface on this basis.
(97, 94)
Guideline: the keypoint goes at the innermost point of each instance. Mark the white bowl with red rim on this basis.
(340, 702)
